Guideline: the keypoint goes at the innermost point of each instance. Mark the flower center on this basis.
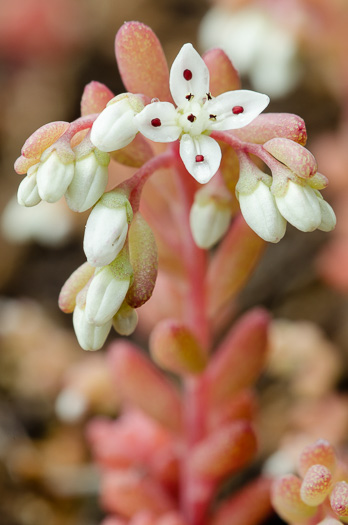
(155, 122)
(236, 110)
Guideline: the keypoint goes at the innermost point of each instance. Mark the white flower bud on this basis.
(328, 217)
(53, 177)
(106, 231)
(209, 221)
(115, 127)
(300, 206)
(28, 194)
(125, 321)
(89, 336)
(261, 213)
(89, 181)
(105, 295)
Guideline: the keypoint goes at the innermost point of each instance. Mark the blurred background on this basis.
(293, 50)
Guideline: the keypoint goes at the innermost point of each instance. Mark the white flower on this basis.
(260, 212)
(28, 194)
(115, 127)
(89, 181)
(53, 176)
(89, 335)
(209, 221)
(197, 114)
(105, 295)
(106, 229)
(126, 319)
(300, 206)
(328, 217)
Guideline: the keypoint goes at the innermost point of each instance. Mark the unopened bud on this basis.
(299, 205)
(126, 319)
(28, 194)
(89, 336)
(53, 176)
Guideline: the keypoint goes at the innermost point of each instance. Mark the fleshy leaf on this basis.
(296, 157)
(94, 98)
(77, 280)
(242, 406)
(223, 75)
(135, 154)
(287, 501)
(316, 485)
(321, 452)
(273, 125)
(339, 499)
(141, 61)
(22, 164)
(43, 138)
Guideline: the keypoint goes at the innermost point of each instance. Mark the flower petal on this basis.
(236, 109)
(201, 156)
(300, 206)
(158, 122)
(188, 74)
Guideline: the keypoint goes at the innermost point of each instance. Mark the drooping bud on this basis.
(316, 485)
(77, 280)
(54, 175)
(293, 155)
(210, 217)
(175, 348)
(126, 319)
(141, 384)
(339, 499)
(274, 125)
(144, 261)
(89, 336)
(286, 499)
(115, 127)
(224, 451)
(223, 75)
(321, 452)
(141, 61)
(108, 289)
(28, 194)
(129, 492)
(107, 228)
(240, 357)
(328, 217)
(232, 264)
(94, 98)
(248, 506)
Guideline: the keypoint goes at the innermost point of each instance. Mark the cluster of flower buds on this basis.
(320, 495)
(143, 454)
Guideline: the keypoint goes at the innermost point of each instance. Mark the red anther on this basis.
(199, 158)
(237, 109)
(187, 74)
(155, 122)
(191, 118)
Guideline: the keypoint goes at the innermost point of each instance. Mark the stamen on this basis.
(191, 118)
(209, 96)
(189, 97)
(187, 74)
(212, 117)
(155, 122)
(199, 158)
(236, 110)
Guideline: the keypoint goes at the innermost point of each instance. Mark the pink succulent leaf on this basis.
(76, 282)
(141, 61)
(321, 452)
(94, 98)
(135, 154)
(339, 499)
(286, 499)
(296, 157)
(274, 125)
(43, 138)
(242, 406)
(223, 75)
(316, 485)
(23, 164)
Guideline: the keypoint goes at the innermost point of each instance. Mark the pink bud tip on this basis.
(316, 485)
(43, 138)
(286, 499)
(22, 164)
(95, 97)
(76, 282)
(141, 61)
(339, 499)
(319, 453)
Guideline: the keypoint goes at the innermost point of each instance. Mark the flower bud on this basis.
(115, 127)
(321, 452)
(89, 181)
(339, 499)
(300, 206)
(316, 485)
(126, 319)
(287, 501)
(89, 336)
(107, 290)
(210, 217)
(28, 194)
(328, 217)
(107, 228)
(53, 176)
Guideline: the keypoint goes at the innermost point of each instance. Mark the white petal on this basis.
(53, 178)
(104, 297)
(158, 121)
(188, 74)
(236, 109)
(328, 217)
(125, 321)
(209, 222)
(105, 234)
(192, 149)
(88, 184)
(300, 207)
(28, 194)
(115, 127)
(89, 336)
(261, 214)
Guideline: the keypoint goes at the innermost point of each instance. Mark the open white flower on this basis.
(197, 114)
